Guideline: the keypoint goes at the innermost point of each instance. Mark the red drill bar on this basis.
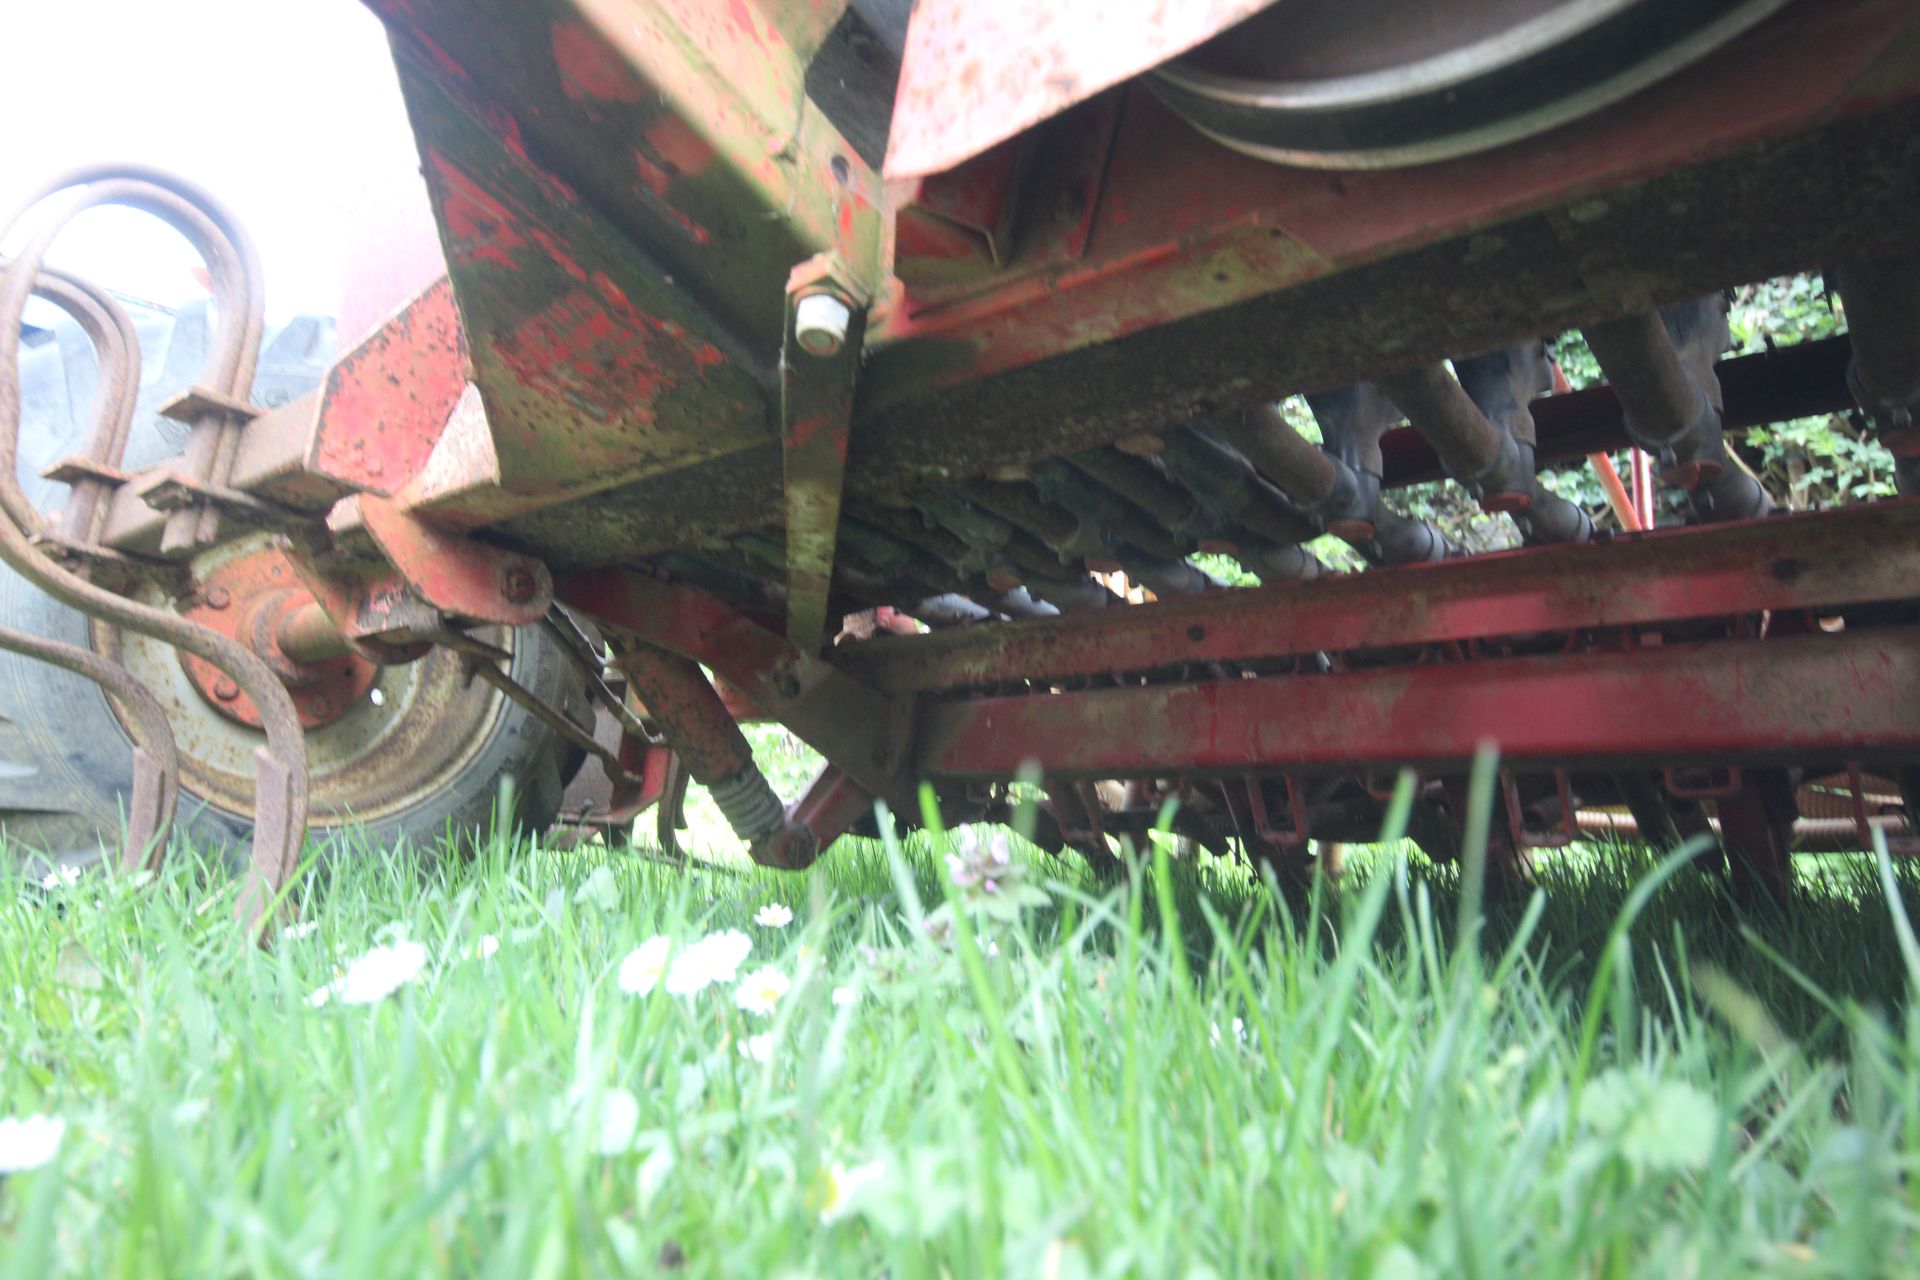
(1822, 560)
(1848, 696)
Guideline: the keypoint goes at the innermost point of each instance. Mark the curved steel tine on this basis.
(156, 762)
(281, 791)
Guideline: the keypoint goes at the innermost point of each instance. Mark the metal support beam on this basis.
(1746, 700)
(1804, 561)
(819, 361)
(854, 726)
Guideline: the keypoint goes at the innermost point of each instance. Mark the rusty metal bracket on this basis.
(490, 663)
(1302, 830)
(1701, 784)
(819, 363)
(853, 725)
(1517, 818)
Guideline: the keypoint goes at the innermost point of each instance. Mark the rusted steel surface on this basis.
(853, 725)
(976, 73)
(819, 363)
(1734, 699)
(833, 802)
(622, 191)
(684, 121)
(456, 575)
(1745, 216)
(252, 598)
(679, 697)
(1804, 561)
(386, 402)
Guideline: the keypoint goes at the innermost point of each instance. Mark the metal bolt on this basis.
(820, 324)
(225, 689)
(518, 584)
(217, 597)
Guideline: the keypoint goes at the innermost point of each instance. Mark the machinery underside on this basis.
(711, 385)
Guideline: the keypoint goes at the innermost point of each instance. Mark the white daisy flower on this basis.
(844, 996)
(321, 998)
(758, 1048)
(616, 1120)
(60, 877)
(303, 929)
(27, 1142)
(773, 916)
(844, 1183)
(486, 947)
(761, 990)
(1239, 1031)
(380, 972)
(644, 966)
(715, 958)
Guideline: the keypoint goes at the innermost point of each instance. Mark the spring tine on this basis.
(281, 786)
(156, 761)
(276, 843)
(145, 843)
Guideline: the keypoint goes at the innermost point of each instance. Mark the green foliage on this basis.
(1181, 1074)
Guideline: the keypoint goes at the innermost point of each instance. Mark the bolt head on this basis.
(226, 690)
(217, 597)
(820, 323)
(519, 585)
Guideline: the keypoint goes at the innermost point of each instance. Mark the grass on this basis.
(1178, 1075)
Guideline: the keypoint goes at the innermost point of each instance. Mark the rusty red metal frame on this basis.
(1732, 699)
(1806, 561)
(623, 191)
(858, 728)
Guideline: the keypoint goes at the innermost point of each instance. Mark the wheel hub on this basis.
(257, 599)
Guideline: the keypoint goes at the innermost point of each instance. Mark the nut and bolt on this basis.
(820, 323)
(216, 597)
(518, 584)
(225, 689)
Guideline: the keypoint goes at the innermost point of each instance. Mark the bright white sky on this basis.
(287, 110)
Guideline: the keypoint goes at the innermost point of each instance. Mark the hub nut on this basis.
(820, 324)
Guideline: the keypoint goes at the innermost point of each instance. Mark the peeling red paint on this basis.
(656, 178)
(589, 69)
(596, 351)
(613, 293)
(557, 251)
(678, 146)
(659, 181)
(479, 228)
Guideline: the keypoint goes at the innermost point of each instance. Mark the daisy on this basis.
(773, 916)
(304, 929)
(615, 1121)
(844, 1183)
(715, 958)
(761, 990)
(27, 1142)
(486, 947)
(844, 996)
(60, 876)
(758, 1048)
(644, 966)
(380, 972)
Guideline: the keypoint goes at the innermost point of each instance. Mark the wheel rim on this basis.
(1359, 84)
(420, 726)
